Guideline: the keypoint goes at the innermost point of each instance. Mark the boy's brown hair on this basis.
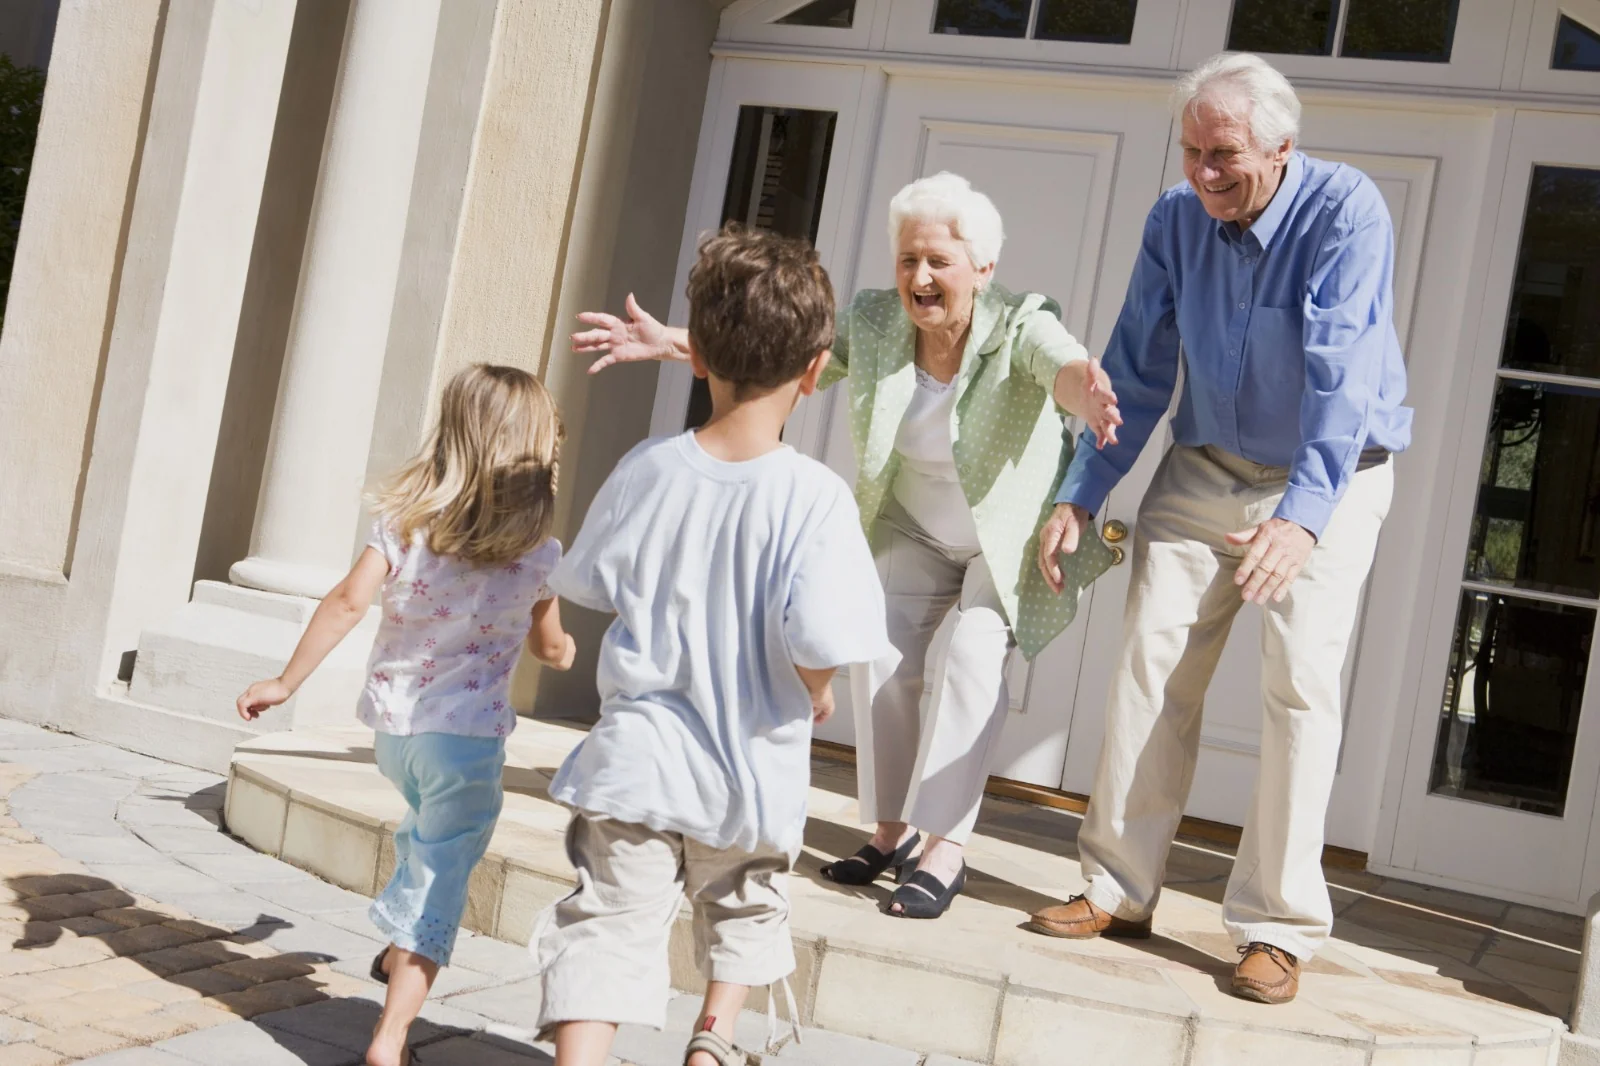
(760, 308)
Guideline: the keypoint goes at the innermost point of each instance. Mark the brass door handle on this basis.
(1115, 532)
(1116, 556)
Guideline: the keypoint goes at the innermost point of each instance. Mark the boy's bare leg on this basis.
(723, 1004)
(411, 976)
(584, 1043)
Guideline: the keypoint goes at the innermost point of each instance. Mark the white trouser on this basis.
(1181, 605)
(925, 746)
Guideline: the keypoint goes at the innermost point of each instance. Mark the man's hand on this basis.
(1278, 552)
(1060, 534)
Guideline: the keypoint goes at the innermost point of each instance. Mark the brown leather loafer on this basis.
(1078, 919)
(1266, 974)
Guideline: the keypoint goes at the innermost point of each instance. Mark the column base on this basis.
(287, 579)
(199, 660)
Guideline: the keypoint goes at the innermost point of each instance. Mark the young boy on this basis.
(741, 580)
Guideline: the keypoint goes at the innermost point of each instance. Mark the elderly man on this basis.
(1271, 272)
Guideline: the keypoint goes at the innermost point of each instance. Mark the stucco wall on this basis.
(310, 72)
(519, 187)
(74, 228)
(626, 228)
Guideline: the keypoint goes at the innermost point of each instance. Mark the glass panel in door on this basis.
(776, 181)
(1525, 624)
(1504, 764)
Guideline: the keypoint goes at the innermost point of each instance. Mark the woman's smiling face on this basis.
(935, 276)
(1234, 178)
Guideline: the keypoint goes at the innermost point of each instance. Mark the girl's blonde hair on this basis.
(483, 487)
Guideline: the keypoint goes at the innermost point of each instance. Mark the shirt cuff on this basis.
(1306, 509)
(1089, 479)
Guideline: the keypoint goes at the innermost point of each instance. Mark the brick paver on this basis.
(135, 932)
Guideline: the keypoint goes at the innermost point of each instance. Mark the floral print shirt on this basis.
(449, 638)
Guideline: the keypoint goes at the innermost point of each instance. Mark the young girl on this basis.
(461, 548)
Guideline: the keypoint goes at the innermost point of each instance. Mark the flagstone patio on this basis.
(1414, 976)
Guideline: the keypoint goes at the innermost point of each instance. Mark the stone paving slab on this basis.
(1415, 975)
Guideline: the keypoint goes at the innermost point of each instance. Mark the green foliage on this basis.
(21, 97)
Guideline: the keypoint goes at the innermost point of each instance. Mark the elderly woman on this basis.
(956, 391)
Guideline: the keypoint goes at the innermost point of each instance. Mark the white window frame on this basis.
(1155, 33)
(756, 22)
(1537, 73)
(1477, 55)
(736, 83)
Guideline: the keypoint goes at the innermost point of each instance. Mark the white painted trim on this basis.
(1155, 31)
(1421, 819)
(735, 83)
(1477, 55)
(1367, 93)
(1396, 751)
(1537, 73)
(757, 21)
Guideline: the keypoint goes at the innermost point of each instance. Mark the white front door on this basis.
(1073, 173)
(1500, 783)
(1414, 159)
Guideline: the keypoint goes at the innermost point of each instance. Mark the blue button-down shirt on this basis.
(1287, 334)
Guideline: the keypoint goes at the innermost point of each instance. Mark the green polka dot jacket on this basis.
(1011, 447)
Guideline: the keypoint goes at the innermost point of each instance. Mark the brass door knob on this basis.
(1116, 556)
(1115, 532)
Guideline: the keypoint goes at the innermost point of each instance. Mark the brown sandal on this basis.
(713, 1044)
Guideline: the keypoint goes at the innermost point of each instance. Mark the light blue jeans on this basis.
(452, 785)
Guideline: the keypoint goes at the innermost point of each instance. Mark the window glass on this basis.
(1414, 30)
(832, 14)
(1554, 326)
(776, 179)
(982, 18)
(1283, 27)
(1509, 724)
(1577, 46)
(1094, 21)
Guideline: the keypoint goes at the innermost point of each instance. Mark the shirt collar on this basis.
(1266, 227)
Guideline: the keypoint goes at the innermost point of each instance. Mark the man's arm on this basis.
(1349, 320)
(1142, 361)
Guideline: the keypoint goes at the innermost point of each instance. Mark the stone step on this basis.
(1414, 984)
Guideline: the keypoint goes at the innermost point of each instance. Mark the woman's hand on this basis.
(638, 339)
(1083, 389)
(261, 695)
(1060, 534)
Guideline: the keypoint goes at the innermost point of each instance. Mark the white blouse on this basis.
(927, 485)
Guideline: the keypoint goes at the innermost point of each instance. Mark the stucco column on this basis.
(328, 395)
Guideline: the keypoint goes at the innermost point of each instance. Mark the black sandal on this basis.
(923, 896)
(868, 864)
(377, 966)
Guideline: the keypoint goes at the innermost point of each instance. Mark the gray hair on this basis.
(1225, 79)
(951, 199)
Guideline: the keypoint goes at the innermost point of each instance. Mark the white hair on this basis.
(1225, 80)
(951, 199)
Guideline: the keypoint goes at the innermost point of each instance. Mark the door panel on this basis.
(1500, 781)
(1072, 173)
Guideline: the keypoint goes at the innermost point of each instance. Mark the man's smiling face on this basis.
(1232, 175)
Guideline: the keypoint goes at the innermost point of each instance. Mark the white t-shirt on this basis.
(449, 638)
(723, 577)
(926, 484)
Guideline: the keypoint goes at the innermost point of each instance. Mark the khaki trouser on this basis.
(925, 742)
(602, 951)
(1181, 605)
